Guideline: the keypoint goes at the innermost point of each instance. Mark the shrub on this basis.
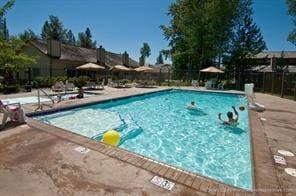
(42, 82)
(10, 89)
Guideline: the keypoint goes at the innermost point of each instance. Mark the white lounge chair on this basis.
(195, 83)
(69, 86)
(13, 111)
(58, 87)
(101, 86)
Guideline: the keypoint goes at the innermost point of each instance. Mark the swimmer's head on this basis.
(192, 102)
(230, 115)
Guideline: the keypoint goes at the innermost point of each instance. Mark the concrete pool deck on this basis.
(38, 159)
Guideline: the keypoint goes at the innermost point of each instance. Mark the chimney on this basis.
(54, 48)
(125, 59)
(101, 56)
(273, 63)
(141, 61)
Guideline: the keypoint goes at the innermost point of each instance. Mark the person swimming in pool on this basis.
(231, 120)
(192, 105)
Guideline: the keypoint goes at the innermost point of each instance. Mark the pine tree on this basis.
(70, 38)
(54, 29)
(292, 12)
(246, 40)
(145, 51)
(85, 40)
(159, 59)
(27, 36)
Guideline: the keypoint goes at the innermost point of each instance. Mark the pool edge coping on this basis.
(196, 175)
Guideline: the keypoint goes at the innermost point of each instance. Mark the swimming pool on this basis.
(159, 126)
(34, 99)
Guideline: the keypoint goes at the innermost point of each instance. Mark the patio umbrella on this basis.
(120, 68)
(212, 70)
(143, 69)
(90, 67)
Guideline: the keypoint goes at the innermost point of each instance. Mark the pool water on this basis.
(34, 99)
(160, 126)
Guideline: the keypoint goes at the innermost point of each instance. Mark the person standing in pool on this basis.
(192, 105)
(231, 120)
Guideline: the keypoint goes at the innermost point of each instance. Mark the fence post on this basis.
(263, 85)
(282, 86)
(272, 82)
(295, 88)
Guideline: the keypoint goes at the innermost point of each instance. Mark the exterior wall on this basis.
(41, 68)
(60, 67)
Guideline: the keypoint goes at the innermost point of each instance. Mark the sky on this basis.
(123, 25)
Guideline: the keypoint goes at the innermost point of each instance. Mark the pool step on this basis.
(128, 129)
(131, 130)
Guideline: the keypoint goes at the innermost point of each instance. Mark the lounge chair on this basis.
(13, 111)
(58, 87)
(100, 86)
(69, 86)
(90, 85)
(221, 85)
(195, 83)
(208, 84)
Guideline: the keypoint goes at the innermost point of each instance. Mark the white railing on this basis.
(40, 105)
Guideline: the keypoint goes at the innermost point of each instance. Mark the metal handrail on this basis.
(40, 106)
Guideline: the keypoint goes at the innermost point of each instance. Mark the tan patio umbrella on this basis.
(120, 68)
(143, 69)
(212, 70)
(90, 67)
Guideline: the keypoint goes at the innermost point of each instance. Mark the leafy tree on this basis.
(145, 51)
(85, 40)
(159, 59)
(12, 56)
(292, 12)
(54, 29)
(27, 36)
(246, 40)
(70, 38)
(198, 32)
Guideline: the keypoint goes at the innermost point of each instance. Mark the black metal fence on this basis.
(277, 83)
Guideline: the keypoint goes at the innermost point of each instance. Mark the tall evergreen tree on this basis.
(159, 59)
(292, 12)
(27, 36)
(145, 51)
(3, 27)
(54, 29)
(246, 40)
(85, 40)
(70, 38)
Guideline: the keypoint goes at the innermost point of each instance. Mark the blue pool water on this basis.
(160, 127)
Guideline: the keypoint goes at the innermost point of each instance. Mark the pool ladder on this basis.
(40, 105)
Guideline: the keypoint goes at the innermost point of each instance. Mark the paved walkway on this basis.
(280, 133)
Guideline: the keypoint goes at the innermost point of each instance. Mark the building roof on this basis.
(268, 68)
(277, 54)
(74, 53)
